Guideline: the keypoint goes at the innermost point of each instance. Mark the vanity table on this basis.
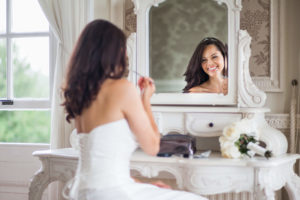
(213, 175)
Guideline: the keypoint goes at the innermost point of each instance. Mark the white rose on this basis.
(230, 151)
(228, 148)
(231, 133)
(248, 127)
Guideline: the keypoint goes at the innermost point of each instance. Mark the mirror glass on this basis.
(175, 29)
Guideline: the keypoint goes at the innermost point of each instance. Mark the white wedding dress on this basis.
(103, 171)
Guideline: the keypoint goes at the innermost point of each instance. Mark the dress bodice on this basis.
(103, 170)
(105, 153)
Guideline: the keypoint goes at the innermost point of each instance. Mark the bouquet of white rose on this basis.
(241, 139)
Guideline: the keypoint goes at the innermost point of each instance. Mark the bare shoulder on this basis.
(123, 87)
(125, 94)
(198, 89)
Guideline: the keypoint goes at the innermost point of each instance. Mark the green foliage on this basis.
(243, 141)
(23, 126)
(28, 83)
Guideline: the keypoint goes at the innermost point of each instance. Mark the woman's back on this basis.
(106, 107)
(104, 156)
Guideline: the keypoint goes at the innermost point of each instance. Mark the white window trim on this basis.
(26, 103)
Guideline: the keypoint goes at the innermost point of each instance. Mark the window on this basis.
(25, 73)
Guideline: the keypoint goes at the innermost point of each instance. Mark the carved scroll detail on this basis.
(249, 94)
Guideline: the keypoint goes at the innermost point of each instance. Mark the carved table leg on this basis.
(269, 180)
(269, 194)
(39, 182)
(293, 187)
(264, 194)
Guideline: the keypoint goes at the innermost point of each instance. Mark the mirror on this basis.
(168, 32)
(175, 29)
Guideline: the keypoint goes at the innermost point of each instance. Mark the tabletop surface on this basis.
(215, 159)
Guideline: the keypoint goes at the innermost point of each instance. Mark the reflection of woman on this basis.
(206, 72)
(111, 119)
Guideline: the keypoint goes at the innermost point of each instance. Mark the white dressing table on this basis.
(213, 175)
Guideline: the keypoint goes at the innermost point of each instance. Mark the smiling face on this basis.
(212, 61)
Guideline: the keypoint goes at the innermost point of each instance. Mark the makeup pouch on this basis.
(177, 144)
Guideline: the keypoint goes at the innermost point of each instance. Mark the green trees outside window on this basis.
(32, 126)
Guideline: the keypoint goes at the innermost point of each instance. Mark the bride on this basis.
(111, 119)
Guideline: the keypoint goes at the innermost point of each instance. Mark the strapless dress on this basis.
(103, 170)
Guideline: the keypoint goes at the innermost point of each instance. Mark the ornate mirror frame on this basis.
(241, 93)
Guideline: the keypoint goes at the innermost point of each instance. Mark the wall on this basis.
(280, 102)
(102, 9)
(17, 167)
(111, 10)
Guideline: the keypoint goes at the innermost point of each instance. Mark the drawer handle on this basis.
(211, 124)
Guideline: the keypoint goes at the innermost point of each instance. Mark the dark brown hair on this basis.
(99, 53)
(194, 74)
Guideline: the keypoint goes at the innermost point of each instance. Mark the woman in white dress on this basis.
(207, 68)
(111, 119)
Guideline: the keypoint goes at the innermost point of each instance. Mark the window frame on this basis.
(25, 103)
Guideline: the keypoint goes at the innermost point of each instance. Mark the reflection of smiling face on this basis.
(212, 61)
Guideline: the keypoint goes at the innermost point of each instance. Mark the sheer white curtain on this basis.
(67, 18)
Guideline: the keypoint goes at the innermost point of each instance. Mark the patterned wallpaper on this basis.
(255, 18)
(130, 18)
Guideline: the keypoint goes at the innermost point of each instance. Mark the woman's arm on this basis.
(156, 183)
(147, 88)
(137, 111)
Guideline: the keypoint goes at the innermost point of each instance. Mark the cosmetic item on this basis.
(178, 144)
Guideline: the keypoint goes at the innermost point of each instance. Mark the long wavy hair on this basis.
(194, 74)
(99, 53)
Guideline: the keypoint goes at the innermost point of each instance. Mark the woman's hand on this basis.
(136, 180)
(161, 184)
(147, 87)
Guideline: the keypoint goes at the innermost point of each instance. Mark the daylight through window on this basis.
(25, 73)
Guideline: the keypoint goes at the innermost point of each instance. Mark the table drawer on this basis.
(209, 124)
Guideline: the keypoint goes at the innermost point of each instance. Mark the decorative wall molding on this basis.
(280, 121)
(267, 84)
(131, 53)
